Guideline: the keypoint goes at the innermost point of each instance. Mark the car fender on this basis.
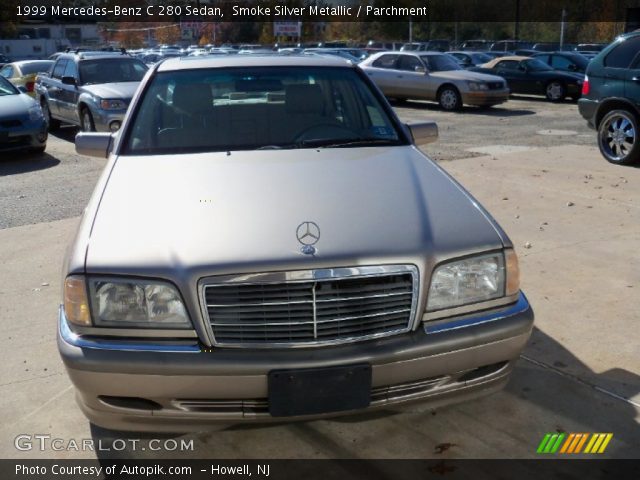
(88, 100)
(613, 103)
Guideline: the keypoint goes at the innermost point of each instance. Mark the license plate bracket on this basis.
(315, 391)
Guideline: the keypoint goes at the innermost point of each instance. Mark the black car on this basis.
(564, 61)
(611, 99)
(530, 76)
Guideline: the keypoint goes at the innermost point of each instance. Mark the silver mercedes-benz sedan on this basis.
(267, 242)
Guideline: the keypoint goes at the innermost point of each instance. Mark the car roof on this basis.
(26, 62)
(517, 58)
(93, 55)
(255, 60)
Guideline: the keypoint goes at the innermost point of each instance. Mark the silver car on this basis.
(267, 242)
(433, 76)
(89, 89)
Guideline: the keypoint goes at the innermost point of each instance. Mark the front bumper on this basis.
(32, 135)
(182, 387)
(485, 98)
(103, 120)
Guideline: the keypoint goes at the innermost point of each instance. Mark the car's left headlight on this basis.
(474, 279)
(113, 104)
(477, 86)
(35, 113)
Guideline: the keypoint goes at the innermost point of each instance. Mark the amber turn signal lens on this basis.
(76, 304)
(513, 272)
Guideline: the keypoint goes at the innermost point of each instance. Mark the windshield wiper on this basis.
(353, 142)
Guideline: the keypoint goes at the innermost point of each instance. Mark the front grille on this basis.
(10, 123)
(496, 85)
(320, 310)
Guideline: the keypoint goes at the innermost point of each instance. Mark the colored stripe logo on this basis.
(568, 443)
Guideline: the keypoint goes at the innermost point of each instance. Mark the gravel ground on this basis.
(57, 184)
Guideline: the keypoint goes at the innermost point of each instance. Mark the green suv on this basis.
(611, 99)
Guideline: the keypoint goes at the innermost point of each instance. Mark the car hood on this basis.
(467, 75)
(15, 106)
(123, 90)
(211, 213)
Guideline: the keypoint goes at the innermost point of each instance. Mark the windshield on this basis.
(440, 63)
(35, 67)
(226, 109)
(111, 70)
(6, 88)
(535, 65)
(480, 58)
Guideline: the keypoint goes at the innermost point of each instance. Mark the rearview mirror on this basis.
(423, 132)
(93, 144)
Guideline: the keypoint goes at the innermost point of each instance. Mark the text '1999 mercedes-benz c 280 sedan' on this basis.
(267, 242)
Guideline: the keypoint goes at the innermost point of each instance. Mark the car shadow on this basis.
(21, 162)
(494, 111)
(551, 390)
(540, 99)
(66, 133)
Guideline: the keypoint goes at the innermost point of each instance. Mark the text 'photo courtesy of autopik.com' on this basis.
(305, 239)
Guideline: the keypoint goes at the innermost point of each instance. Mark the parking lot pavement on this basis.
(573, 219)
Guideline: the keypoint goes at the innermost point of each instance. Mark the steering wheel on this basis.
(325, 130)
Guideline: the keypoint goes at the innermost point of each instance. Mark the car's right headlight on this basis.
(477, 86)
(124, 303)
(113, 104)
(474, 279)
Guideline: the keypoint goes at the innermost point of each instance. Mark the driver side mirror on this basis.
(522, 68)
(419, 69)
(423, 132)
(68, 80)
(94, 144)
(573, 68)
(23, 89)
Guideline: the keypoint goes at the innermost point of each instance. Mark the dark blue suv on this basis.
(611, 99)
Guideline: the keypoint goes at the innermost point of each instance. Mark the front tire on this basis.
(86, 121)
(618, 137)
(555, 91)
(449, 99)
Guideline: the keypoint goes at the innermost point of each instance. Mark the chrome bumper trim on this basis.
(520, 306)
(71, 338)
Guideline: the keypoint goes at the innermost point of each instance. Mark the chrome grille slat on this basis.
(316, 307)
(308, 302)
